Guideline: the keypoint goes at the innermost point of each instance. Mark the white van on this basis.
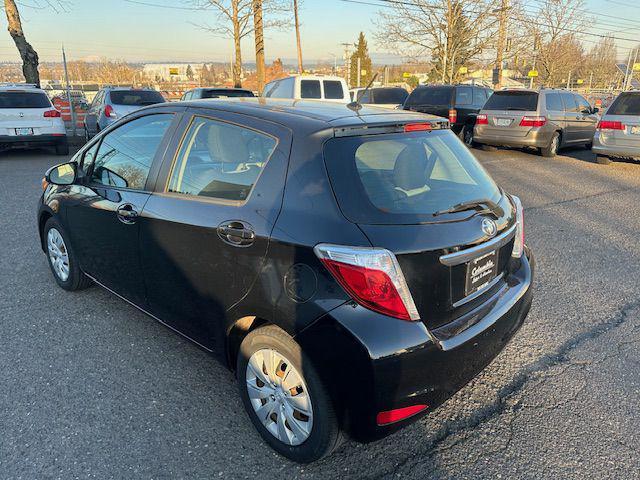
(309, 87)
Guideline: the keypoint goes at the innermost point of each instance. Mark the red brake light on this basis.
(482, 119)
(417, 127)
(610, 125)
(453, 115)
(52, 114)
(533, 121)
(372, 277)
(397, 414)
(108, 111)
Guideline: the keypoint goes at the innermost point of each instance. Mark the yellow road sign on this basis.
(173, 71)
(406, 75)
(636, 67)
(463, 70)
(532, 73)
(580, 81)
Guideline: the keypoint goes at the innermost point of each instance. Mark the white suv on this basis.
(28, 119)
(309, 87)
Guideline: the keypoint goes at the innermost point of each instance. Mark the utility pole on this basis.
(626, 73)
(630, 69)
(347, 62)
(569, 81)
(502, 36)
(259, 37)
(446, 41)
(590, 81)
(359, 65)
(71, 106)
(295, 14)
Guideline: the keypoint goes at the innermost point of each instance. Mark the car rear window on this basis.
(430, 96)
(24, 100)
(625, 104)
(226, 93)
(404, 178)
(390, 95)
(333, 90)
(525, 101)
(310, 89)
(135, 97)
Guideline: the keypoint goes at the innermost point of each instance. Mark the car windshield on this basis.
(389, 95)
(226, 93)
(431, 96)
(135, 97)
(625, 104)
(24, 100)
(404, 178)
(525, 101)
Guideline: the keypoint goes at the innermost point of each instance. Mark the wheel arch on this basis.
(237, 333)
(44, 216)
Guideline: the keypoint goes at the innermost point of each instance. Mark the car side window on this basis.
(283, 89)
(570, 104)
(583, 105)
(333, 89)
(125, 154)
(554, 102)
(365, 97)
(220, 160)
(96, 99)
(310, 89)
(464, 96)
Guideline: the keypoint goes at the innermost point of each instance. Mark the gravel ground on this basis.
(92, 388)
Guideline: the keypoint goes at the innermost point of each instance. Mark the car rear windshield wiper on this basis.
(481, 206)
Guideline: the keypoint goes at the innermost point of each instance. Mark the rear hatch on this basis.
(127, 101)
(622, 122)
(22, 112)
(435, 100)
(505, 110)
(397, 187)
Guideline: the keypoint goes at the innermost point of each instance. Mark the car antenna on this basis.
(356, 106)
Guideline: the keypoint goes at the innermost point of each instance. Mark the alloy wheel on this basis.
(279, 396)
(58, 254)
(468, 136)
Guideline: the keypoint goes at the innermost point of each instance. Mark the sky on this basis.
(129, 30)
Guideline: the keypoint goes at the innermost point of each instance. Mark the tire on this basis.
(75, 279)
(588, 146)
(489, 148)
(316, 441)
(602, 160)
(551, 150)
(466, 135)
(62, 148)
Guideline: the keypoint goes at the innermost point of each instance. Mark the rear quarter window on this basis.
(625, 104)
(310, 89)
(431, 96)
(24, 100)
(522, 101)
(333, 90)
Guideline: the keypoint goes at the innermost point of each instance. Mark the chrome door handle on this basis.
(127, 213)
(236, 233)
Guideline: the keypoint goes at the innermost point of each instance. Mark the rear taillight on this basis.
(610, 125)
(108, 111)
(52, 114)
(372, 276)
(453, 115)
(533, 121)
(417, 127)
(482, 119)
(518, 243)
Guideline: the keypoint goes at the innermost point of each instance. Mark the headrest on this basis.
(412, 167)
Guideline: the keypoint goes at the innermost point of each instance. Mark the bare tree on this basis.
(601, 63)
(233, 21)
(28, 54)
(452, 32)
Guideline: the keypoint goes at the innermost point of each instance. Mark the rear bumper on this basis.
(600, 148)
(8, 141)
(375, 363)
(538, 138)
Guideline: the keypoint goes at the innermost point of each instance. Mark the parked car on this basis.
(309, 87)
(29, 120)
(618, 132)
(545, 119)
(112, 103)
(198, 93)
(459, 103)
(355, 269)
(385, 97)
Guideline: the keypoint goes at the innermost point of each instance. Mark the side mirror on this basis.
(63, 174)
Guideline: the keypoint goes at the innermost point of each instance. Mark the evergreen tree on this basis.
(204, 73)
(362, 52)
(189, 72)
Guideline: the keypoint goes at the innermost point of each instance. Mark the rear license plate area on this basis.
(503, 122)
(480, 272)
(24, 131)
(635, 129)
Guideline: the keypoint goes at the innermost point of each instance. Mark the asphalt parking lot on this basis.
(92, 388)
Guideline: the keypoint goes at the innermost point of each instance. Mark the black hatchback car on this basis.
(354, 268)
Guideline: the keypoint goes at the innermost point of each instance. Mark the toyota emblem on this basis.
(489, 227)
